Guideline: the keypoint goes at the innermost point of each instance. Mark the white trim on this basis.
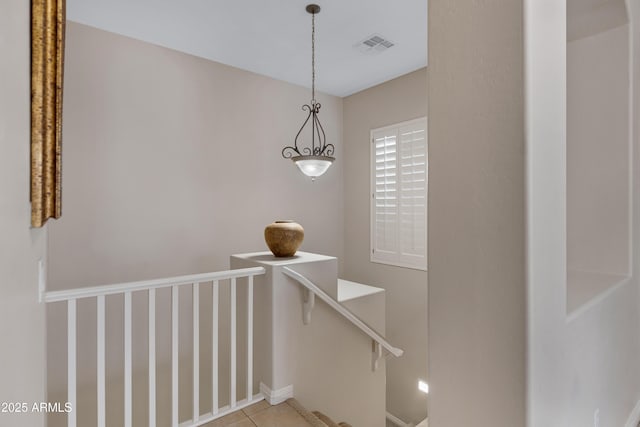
(275, 397)
(225, 410)
(397, 421)
(399, 264)
(234, 343)
(634, 417)
(94, 291)
(195, 382)
(401, 124)
(631, 135)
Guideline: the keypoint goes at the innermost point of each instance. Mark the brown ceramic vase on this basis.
(284, 237)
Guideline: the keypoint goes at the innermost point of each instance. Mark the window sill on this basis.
(398, 264)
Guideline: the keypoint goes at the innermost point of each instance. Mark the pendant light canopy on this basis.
(313, 160)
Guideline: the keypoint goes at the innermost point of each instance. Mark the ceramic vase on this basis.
(284, 237)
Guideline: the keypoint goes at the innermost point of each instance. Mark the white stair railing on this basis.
(380, 343)
(150, 286)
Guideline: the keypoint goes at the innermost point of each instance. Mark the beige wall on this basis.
(22, 327)
(477, 289)
(598, 152)
(395, 101)
(589, 17)
(171, 164)
(598, 167)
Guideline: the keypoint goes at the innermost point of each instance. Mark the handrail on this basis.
(94, 291)
(149, 287)
(343, 311)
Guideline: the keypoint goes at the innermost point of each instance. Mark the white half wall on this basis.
(328, 360)
(22, 317)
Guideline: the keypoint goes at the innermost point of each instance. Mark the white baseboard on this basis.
(275, 397)
(634, 417)
(397, 421)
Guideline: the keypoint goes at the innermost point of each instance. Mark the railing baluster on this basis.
(152, 357)
(196, 351)
(101, 361)
(233, 344)
(174, 355)
(128, 356)
(215, 293)
(250, 338)
(175, 284)
(71, 362)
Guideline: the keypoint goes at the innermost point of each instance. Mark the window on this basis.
(399, 194)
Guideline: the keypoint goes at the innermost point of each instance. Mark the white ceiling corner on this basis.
(272, 38)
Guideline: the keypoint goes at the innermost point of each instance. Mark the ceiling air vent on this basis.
(374, 44)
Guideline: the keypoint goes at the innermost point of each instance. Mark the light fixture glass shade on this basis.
(313, 166)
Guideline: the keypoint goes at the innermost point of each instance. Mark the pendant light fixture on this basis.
(313, 161)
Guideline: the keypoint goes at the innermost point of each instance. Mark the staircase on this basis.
(289, 413)
(226, 348)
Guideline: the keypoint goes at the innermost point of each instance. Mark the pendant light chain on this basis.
(313, 58)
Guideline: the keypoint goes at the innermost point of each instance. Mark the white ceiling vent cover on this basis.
(374, 44)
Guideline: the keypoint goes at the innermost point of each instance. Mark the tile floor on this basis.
(262, 414)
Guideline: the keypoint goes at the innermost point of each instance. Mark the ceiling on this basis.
(273, 37)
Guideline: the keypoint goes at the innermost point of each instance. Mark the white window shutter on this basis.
(385, 196)
(399, 194)
(413, 194)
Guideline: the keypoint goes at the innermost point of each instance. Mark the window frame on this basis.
(396, 259)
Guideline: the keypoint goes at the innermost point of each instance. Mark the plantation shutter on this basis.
(413, 194)
(399, 195)
(386, 195)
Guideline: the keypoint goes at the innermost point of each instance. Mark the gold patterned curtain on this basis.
(47, 66)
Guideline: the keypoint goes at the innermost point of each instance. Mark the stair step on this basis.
(326, 420)
(262, 414)
(309, 417)
(315, 418)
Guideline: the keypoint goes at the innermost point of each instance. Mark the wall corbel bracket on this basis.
(309, 303)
